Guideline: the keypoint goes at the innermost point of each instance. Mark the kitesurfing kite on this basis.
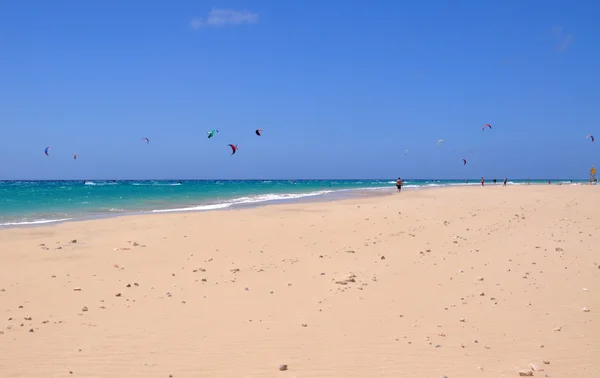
(75, 156)
(147, 140)
(486, 125)
(47, 150)
(464, 161)
(591, 137)
(211, 133)
(233, 148)
(439, 142)
(258, 131)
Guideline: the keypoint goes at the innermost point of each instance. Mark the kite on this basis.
(147, 140)
(486, 125)
(211, 133)
(47, 150)
(258, 131)
(75, 156)
(439, 142)
(591, 137)
(406, 152)
(233, 149)
(464, 161)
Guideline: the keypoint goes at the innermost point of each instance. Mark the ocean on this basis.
(25, 203)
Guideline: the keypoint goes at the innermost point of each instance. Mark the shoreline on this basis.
(258, 200)
(300, 197)
(341, 195)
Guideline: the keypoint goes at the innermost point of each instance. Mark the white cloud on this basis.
(222, 17)
(563, 41)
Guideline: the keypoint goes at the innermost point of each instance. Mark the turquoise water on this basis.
(39, 202)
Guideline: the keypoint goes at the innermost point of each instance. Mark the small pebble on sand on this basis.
(283, 367)
(526, 373)
(536, 367)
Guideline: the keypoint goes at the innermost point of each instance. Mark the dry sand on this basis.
(459, 282)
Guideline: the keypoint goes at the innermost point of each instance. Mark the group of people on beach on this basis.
(483, 181)
(399, 182)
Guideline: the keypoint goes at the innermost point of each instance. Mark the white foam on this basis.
(39, 221)
(196, 208)
(91, 183)
(245, 200)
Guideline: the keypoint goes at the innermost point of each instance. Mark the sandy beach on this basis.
(456, 282)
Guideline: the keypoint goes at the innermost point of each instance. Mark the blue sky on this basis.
(341, 88)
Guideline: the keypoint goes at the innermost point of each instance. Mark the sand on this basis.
(456, 282)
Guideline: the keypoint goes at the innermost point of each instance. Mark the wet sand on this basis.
(456, 282)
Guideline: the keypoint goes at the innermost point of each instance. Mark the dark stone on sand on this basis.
(283, 367)
(74, 241)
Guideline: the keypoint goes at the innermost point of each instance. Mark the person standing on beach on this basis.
(505, 180)
(399, 184)
(494, 181)
(482, 181)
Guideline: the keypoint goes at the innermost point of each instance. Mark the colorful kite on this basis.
(234, 148)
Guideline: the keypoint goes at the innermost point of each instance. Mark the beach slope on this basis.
(456, 282)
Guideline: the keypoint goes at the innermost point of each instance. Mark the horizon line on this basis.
(289, 179)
